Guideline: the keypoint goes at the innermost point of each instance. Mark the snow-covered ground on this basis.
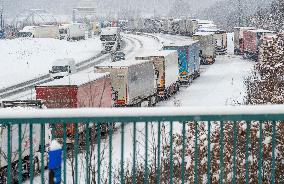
(26, 58)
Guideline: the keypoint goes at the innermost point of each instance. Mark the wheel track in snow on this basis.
(81, 66)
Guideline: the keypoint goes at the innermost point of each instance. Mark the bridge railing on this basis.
(149, 145)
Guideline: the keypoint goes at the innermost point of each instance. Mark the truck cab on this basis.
(111, 39)
(62, 68)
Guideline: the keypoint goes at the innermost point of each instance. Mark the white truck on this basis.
(207, 47)
(111, 39)
(62, 67)
(44, 31)
(133, 82)
(166, 69)
(74, 31)
(191, 27)
(25, 143)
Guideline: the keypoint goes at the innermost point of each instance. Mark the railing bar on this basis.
(273, 152)
(159, 154)
(42, 151)
(31, 154)
(76, 152)
(183, 153)
(146, 154)
(110, 154)
(247, 151)
(122, 155)
(234, 152)
(64, 152)
(171, 152)
(9, 178)
(20, 153)
(260, 153)
(88, 165)
(98, 125)
(196, 153)
(134, 155)
(221, 152)
(209, 153)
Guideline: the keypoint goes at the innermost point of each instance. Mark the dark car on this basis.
(117, 56)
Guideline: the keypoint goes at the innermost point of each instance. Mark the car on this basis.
(117, 56)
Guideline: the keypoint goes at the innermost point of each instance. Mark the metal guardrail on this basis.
(169, 163)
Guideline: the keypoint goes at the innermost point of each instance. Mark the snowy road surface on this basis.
(219, 84)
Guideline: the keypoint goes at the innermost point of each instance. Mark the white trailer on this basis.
(207, 47)
(44, 31)
(166, 69)
(25, 143)
(62, 67)
(111, 39)
(133, 82)
(74, 31)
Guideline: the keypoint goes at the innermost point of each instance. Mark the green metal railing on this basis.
(184, 145)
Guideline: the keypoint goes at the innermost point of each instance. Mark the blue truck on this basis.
(189, 61)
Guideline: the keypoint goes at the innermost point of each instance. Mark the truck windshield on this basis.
(57, 69)
(108, 37)
(25, 34)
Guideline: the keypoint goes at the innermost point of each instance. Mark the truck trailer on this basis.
(111, 39)
(252, 42)
(76, 91)
(207, 47)
(133, 82)
(188, 59)
(74, 31)
(239, 39)
(166, 70)
(25, 143)
(44, 31)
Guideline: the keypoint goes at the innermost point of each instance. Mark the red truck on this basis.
(76, 91)
(252, 42)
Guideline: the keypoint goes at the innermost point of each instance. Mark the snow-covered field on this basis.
(25, 58)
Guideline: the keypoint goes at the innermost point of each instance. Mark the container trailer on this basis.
(239, 39)
(188, 60)
(76, 91)
(44, 31)
(25, 143)
(207, 47)
(166, 70)
(252, 42)
(132, 81)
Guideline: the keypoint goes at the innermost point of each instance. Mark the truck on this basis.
(62, 67)
(191, 26)
(44, 31)
(220, 37)
(166, 26)
(207, 47)
(239, 39)
(25, 143)
(188, 59)
(73, 31)
(132, 81)
(111, 39)
(252, 41)
(166, 70)
(76, 91)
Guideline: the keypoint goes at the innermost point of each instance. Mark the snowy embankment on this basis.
(25, 58)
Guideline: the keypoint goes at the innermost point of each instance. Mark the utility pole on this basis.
(240, 12)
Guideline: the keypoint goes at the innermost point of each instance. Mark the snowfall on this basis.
(220, 84)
